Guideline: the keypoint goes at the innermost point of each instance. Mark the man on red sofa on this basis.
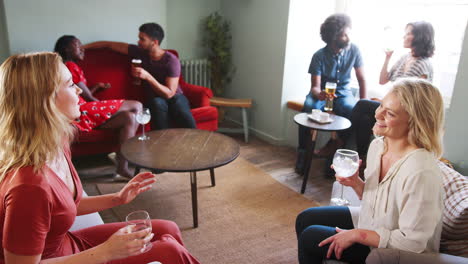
(159, 72)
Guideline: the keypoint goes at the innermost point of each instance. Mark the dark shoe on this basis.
(299, 170)
(330, 148)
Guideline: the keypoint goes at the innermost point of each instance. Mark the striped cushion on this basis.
(454, 238)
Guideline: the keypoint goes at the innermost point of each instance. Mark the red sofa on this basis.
(104, 65)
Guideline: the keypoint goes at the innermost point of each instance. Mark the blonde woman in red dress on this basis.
(40, 191)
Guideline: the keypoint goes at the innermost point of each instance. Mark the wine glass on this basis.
(345, 164)
(137, 221)
(389, 39)
(143, 118)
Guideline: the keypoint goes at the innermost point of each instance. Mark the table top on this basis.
(339, 122)
(181, 150)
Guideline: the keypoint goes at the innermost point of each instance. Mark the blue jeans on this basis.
(316, 224)
(363, 120)
(176, 110)
(343, 105)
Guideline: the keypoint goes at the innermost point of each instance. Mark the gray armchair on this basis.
(395, 256)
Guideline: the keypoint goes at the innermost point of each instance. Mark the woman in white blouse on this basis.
(402, 192)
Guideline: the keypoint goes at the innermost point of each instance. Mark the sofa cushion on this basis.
(454, 239)
(98, 135)
(205, 113)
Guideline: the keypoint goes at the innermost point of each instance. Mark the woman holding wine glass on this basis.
(40, 190)
(402, 192)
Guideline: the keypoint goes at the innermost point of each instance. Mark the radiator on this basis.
(196, 71)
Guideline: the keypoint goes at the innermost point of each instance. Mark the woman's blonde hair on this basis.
(423, 102)
(32, 129)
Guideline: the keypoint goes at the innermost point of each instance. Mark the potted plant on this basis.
(217, 40)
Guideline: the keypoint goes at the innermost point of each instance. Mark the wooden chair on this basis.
(243, 104)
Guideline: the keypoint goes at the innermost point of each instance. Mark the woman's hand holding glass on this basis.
(137, 221)
(354, 181)
(125, 243)
(345, 164)
(350, 181)
(388, 53)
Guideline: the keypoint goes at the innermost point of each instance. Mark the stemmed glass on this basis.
(345, 164)
(137, 221)
(143, 118)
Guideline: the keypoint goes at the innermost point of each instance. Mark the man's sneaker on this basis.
(119, 178)
(113, 158)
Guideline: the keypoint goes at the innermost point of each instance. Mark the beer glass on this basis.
(330, 89)
(136, 63)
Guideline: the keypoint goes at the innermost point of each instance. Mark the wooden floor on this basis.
(278, 161)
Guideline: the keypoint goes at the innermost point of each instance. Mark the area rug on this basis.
(248, 217)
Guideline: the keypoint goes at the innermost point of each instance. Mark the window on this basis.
(380, 24)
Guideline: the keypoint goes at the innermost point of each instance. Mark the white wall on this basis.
(36, 25)
(456, 145)
(184, 18)
(4, 48)
(259, 42)
(303, 40)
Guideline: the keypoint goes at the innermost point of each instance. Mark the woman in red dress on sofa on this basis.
(40, 191)
(106, 114)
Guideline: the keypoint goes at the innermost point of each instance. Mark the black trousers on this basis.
(318, 223)
(363, 120)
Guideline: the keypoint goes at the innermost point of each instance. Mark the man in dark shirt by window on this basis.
(159, 72)
(333, 63)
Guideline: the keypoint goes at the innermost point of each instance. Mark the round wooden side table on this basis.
(339, 123)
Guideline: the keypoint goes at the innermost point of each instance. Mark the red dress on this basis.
(93, 114)
(38, 209)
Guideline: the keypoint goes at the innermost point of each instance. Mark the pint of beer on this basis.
(330, 89)
(136, 63)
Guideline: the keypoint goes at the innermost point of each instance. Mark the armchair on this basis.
(454, 239)
(104, 65)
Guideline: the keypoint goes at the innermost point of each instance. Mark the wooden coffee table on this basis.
(339, 123)
(182, 150)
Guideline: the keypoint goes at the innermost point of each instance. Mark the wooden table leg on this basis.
(309, 156)
(212, 175)
(245, 125)
(193, 184)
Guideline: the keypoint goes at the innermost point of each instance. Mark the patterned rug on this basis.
(248, 217)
